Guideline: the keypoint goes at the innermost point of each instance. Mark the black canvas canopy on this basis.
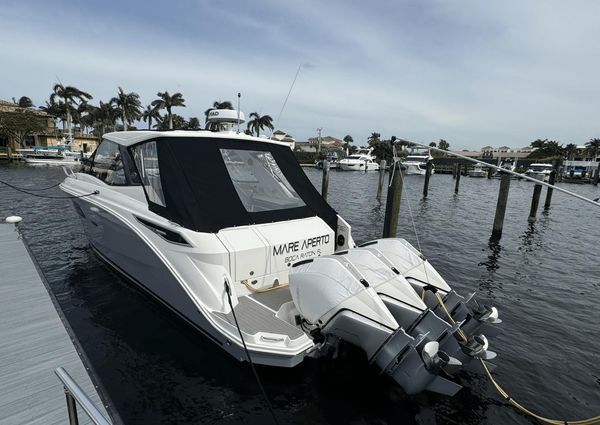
(199, 193)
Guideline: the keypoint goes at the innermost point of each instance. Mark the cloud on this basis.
(471, 72)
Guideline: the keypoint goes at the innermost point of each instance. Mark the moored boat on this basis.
(244, 248)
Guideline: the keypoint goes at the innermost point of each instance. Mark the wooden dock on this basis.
(34, 341)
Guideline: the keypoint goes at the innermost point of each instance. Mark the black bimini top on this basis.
(207, 184)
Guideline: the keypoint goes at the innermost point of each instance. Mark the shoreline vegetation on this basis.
(74, 107)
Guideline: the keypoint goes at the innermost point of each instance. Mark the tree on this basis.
(106, 115)
(166, 101)
(193, 124)
(71, 97)
(17, 125)
(348, 139)
(259, 122)
(444, 145)
(539, 143)
(570, 150)
(23, 102)
(150, 113)
(129, 106)
(593, 147)
(546, 149)
(373, 137)
(433, 145)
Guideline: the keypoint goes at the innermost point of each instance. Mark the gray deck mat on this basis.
(254, 318)
(273, 299)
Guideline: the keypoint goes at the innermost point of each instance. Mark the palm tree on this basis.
(106, 116)
(593, 147)
(166, 101)
(129, 106)
(259, 122)
(70, 96)
(374, 137)
(570, 149)
(149, 114)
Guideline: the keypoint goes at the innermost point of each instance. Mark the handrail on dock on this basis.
(75, 395)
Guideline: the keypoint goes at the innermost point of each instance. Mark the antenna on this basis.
(286, 99)
(238, 113)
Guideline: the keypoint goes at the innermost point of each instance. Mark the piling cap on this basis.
(13, 219)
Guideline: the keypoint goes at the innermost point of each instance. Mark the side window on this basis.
(146, 161)
(108, 164)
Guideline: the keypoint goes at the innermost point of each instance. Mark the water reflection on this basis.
(492, 262)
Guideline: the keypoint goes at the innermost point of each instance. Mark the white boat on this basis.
(507, 164)
(361, 160)
(416, 162)
(540, 171)
(228, 232)
(51, 155)
(477, 171)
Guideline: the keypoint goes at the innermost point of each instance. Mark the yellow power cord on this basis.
(504, 394)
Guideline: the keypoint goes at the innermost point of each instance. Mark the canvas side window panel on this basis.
(146, 159)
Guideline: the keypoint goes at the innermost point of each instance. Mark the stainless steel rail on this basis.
(75, 395)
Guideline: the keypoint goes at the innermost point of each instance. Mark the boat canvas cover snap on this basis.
(200, 194)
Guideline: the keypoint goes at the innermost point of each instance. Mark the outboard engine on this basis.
(403, 302)
(402, 257)
(331, 294)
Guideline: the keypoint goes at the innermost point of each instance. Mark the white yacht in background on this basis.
(227, 231)
(51, 155)
(540, 171)
(361, 160)
(477, 171)
(416, 161)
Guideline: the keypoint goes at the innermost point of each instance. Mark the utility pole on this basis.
(319, 138)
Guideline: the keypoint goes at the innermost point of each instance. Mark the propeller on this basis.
(477, 346)
(486, 313)
(435, 359)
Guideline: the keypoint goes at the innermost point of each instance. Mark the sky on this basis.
(472, 72)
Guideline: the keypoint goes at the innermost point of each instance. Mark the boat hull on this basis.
(358, 166)
(53, 162)
(119, 246)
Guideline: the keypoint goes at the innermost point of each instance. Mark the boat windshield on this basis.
(258, 181)
(354, 157)
(416, 158)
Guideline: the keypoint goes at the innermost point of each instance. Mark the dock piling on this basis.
(551, 181)
(490, 172)
(501, 205)
(325, 181)
(427, 177)
(392, 206)
(382, 165)
(457, 178)
(535, 201)
(596, 176)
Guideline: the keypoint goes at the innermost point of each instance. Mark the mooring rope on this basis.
(237, 325)
(505, 395)
(30, 192)
(589, 421)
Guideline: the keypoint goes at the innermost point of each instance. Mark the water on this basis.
(543, 277)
